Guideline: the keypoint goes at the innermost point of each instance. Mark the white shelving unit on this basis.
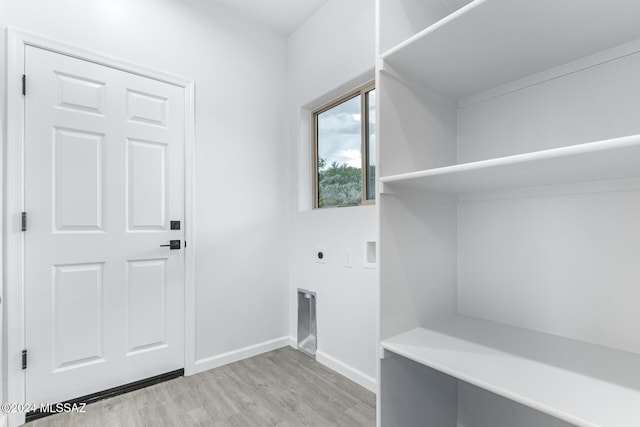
(509, 213)
(612, 159)
(458, 54)
(577, 382)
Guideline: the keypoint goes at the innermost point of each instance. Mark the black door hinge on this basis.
(24, 84)
(24, 359)
(23, 225)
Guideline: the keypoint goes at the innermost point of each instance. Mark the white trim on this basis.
(342, 368)
(348, 371)
(14, 199)
(14, 239)
(240, 354)
(3, 109)
(293, 342)
(189, 231)
(43, 42)
(379, 191)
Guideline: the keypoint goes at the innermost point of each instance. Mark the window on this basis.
(344, 157)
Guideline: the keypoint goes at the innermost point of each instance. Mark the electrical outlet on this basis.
(348, 258)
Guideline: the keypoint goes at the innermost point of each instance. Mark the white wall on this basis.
(329, 54)
(538, 259)
(239, 68)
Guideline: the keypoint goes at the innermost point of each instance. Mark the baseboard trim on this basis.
(212, 362)
(350, 372)
(325, 359)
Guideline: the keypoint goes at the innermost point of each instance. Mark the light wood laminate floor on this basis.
(281, 388)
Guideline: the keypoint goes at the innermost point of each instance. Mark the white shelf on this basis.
(578, 382)
(611, 159)
(492, 42)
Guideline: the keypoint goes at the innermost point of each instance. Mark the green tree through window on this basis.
(339, 184)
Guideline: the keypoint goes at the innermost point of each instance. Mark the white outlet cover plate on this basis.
(348, 258)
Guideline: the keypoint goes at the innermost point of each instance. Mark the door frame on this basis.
(14, 308)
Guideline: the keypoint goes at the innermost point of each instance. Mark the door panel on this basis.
(80, 94)
(104, 175)
(146, 185)
(78, 158)
(147, 299)
(146, 108)
(77, 334)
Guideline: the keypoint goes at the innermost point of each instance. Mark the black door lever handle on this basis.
(173, 244)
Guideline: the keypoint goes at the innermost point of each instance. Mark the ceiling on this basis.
(283, 15)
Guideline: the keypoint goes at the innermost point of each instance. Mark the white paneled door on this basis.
(104, 179)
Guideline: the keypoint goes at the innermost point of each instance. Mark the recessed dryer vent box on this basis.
(307, 330)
